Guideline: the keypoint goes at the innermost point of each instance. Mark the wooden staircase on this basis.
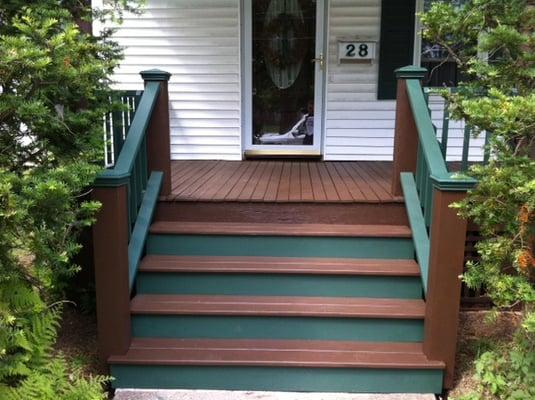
(289, 307)
(270, 293)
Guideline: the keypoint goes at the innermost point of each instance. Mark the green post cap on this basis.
(410, 72)
(155, 75)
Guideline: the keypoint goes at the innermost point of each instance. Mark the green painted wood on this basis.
(396, 44)
(445, 129)
(278, 379)
(424, 125)
(280, 285)
(432, 151)
(418, 226)
(280, 246)
(466, 147)
(246, 327)
(140, 232)
(124, 165)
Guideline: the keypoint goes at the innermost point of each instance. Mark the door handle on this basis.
(320, 60)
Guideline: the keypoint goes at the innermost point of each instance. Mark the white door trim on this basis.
(247, 87)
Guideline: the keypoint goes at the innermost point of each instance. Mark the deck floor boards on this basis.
(282, 181)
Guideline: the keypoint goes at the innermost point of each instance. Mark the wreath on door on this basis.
(284, 54)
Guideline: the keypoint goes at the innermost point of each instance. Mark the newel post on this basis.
(405, 134)
(110, 247)
(158, 133)
(446, 264)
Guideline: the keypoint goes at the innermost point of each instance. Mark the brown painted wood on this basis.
(295, 182)
(278, 306)
(362, 181)
(200, 182)
(300, 213)
(273, 186)
(317, 187)
(307, 193)
(282, 181)
(279, 265)
(448, 235)
(110, 247)
(356, 193)
(159, 139)
(405, 139)
(267, 229)
(277, 353)
(283, 194)
(340, 185)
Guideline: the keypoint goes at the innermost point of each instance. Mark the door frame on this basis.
(246, 61)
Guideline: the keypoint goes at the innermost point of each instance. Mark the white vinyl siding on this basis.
(357, 125)
(198, 42)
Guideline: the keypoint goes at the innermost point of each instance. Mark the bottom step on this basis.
(307, 366)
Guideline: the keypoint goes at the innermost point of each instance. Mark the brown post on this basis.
(405, 134)
(158, 133)
(446, 264)
(110, 246)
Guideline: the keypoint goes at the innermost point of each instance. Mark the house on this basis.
(329, 259)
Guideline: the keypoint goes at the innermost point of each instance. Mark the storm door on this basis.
(286, 65)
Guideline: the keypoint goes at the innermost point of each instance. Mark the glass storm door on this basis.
(286, 76)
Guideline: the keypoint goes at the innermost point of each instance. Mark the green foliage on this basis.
(493, 43)
(55, 88)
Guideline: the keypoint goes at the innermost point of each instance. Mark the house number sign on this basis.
(355, 50)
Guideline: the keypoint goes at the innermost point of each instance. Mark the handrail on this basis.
(131, 169)
(121, 171)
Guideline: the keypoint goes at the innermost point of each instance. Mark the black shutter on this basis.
(397, 43)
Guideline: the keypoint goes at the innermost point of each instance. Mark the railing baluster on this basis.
(486, 149)
(466, 147)
(445, 129)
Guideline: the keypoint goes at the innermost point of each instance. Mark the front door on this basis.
(284, 76)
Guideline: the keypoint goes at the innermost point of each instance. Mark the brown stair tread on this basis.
(284, 306)
(276, 353)
(279, 265)
(256, 229)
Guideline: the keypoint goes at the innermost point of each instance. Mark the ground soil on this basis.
(476, 331)
(77, 340)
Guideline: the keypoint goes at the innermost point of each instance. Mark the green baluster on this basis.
(466, 147)
(445, 129)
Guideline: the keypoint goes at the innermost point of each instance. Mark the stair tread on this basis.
(287, 306)
(279, 265)
(276, 353)
(265, 229)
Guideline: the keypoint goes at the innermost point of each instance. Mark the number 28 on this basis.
(362, 50)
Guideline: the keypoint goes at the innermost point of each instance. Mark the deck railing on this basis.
(445, 130)
(429, 189)
(117, 123)
(128, 190)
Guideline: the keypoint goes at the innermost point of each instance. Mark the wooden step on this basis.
(255, 229)
(279, 306)
(279, 265)
(276, 353)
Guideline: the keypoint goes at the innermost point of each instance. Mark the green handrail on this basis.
(430, 148)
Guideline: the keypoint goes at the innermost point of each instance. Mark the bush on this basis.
(55, 88)
(492, 42)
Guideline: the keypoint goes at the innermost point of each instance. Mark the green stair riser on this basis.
(277, 379)
(280, 285)
(280, 246)
(238, 327)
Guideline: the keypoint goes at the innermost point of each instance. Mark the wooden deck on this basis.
(282, 181)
